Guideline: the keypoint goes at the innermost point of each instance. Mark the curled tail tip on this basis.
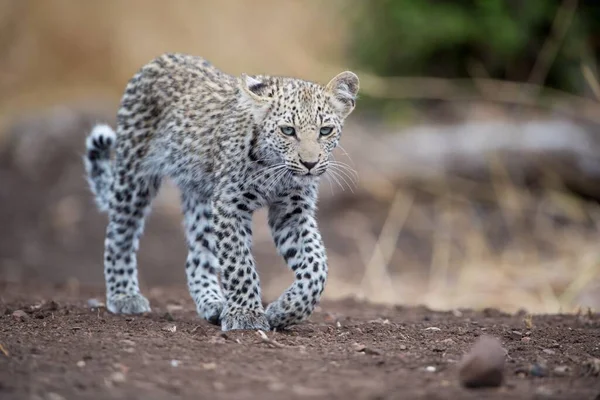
(102, 137)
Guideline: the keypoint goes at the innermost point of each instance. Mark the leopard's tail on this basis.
(98, 163)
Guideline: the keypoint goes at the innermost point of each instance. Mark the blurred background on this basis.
(476, 141)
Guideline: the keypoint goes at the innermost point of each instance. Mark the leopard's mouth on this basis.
(308, 174)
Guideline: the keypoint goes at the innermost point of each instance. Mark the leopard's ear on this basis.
(251, 95)
(343, 90)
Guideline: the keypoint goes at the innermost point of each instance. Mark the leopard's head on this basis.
(298, 123)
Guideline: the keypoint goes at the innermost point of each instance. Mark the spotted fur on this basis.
(227, 144)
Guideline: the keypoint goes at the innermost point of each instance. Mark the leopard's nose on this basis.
(308, 165)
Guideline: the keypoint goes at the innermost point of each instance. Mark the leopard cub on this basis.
(231, 145)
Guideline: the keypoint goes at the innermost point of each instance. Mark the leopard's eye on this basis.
(288, 130)
(325, 131)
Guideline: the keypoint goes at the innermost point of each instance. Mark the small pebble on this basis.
(549, 351)
(592, 367)
(95, 303)
(432, 329)
(209, 366)
(20, 315)
(174, 363)
(516, 335)
(81, 363)
(562, 370)
(539, 370)
(174, 307)
(117, 377)
(483, 366)
(361, 348)
(430, 368)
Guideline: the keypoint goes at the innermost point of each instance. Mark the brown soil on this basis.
(54, 345)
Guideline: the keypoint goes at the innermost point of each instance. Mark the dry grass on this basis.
(549, 259)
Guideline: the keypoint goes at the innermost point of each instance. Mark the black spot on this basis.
(291, 252)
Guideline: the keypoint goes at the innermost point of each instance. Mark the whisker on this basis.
(339, 175)
(328, 178)
(353, 179)
(350, 173)
(333, 176)
(346, 153)
(272, 181)
(261, 173)
(343, 164)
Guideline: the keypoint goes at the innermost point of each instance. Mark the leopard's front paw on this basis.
(280, 317)
(211, 311)
(130, 303)
(236, 318)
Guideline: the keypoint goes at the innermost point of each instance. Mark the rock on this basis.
(209, 366)
(515, 335)
(361, 348)
(538, 370)
(20, 315)
(432, 329)
(562, 370)
(118, 377)
(592, 367)
(94, 303)
(483, 366)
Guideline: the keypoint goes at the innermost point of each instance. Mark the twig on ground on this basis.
(265, 339)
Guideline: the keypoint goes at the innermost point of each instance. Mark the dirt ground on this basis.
(59, 343)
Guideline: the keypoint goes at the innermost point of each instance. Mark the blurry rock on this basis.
(94, 303)
(483, 366)
(592, 367)
(562, 370)
(20, 315)
(538, 370)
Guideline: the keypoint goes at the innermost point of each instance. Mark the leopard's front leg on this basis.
(232, 221)
(297, 238)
